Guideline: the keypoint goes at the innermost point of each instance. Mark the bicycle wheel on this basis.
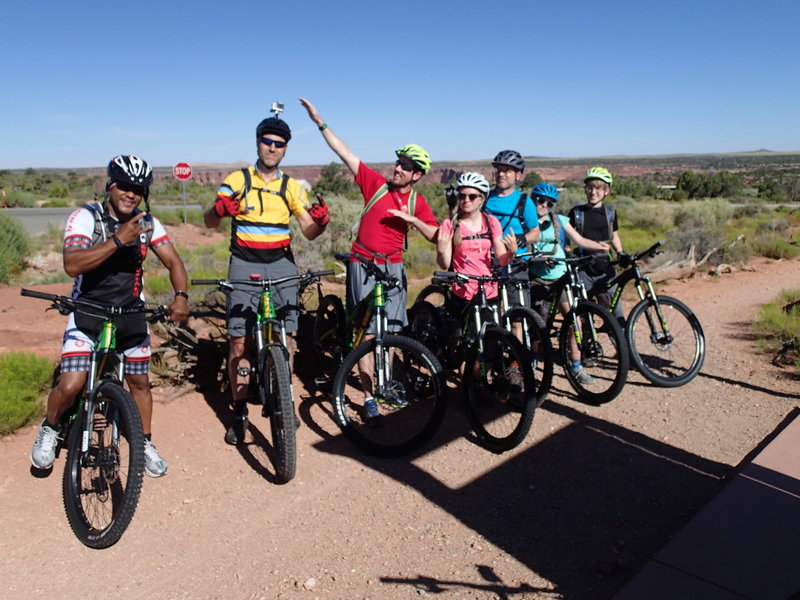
(435, 294)
(499, 390)
(101, 486)
(671, 353)
(425, 326)
(411, 401)
(329, 334)
(537, 342)
(603, 349)
(277, 394)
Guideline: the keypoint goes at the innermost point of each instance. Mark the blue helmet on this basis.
(545, 190)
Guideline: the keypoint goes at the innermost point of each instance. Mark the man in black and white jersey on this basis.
(104, 249)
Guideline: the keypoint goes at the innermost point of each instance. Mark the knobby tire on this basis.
(101, 488)
(666, 364)
(276, 382)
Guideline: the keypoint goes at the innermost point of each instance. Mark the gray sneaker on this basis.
(43, 453)
(582, 377)
(154, 465)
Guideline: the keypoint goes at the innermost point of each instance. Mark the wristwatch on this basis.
(182, 295)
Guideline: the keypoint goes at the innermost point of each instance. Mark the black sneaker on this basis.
(236, 430)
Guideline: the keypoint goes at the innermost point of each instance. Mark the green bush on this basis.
(778, 328)
(650, 215)
(24, 377)
(703, 213)
(773, 245)
(16, 244)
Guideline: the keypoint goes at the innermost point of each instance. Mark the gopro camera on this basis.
(277, 108)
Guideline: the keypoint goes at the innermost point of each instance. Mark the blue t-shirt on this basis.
(505, 209)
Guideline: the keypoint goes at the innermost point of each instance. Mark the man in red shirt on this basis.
(390, 208)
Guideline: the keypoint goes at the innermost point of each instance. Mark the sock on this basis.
(240, 408)
(576, 364)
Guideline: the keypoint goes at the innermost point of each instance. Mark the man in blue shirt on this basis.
(515, 211)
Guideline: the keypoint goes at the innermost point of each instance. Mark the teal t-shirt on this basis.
(549, 244)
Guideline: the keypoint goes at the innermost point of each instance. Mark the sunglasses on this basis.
(403, 165)
(472, 197)
(543, 201)
(270, 142)
(130, 187)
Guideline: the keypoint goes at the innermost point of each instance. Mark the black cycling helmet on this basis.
(512, 158)
(275, 126)
(130, 169)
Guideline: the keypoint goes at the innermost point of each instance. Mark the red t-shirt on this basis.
(379, 231)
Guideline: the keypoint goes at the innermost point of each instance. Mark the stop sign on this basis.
(182, 171)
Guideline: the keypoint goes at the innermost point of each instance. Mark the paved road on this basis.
(36, 220)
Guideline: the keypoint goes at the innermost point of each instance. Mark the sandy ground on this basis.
(573, 512)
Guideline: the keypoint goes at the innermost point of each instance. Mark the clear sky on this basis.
(178, 81)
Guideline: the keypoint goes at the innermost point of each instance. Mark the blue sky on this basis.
(188, 81)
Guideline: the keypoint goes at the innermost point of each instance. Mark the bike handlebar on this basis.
(371, 267)
(267, 283)
(66, 305)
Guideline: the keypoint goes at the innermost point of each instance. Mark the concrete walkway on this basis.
(745, 543)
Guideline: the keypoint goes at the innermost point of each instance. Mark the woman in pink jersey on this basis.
(469, 241)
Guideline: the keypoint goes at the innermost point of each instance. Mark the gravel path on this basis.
(573, 512)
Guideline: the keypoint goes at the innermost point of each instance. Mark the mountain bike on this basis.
(596, 334)
(665, 338)
(498, 382)
(269, 364)
(530, 329)
(102, 432)
(398, 373)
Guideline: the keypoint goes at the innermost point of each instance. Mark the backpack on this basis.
(519, 213)
(486, 235)
(380, 193)
(101, 233)
(248, 185)
(580, 221)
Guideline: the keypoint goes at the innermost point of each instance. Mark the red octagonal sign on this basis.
(182, 171)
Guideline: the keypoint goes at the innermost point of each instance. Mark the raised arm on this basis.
(350, 160)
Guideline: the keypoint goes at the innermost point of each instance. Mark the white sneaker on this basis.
(43, 453)
(154, 465)
(582, 377)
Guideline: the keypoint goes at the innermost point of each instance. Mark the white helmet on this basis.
(473, 180)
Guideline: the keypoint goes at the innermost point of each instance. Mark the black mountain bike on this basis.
(269, 365)
(597, 335)
(665, 338)
(102, 433)
(400, 374)
(499, 387)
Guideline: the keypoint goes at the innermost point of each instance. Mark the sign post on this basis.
(183, 172)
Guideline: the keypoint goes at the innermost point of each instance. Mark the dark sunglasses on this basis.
(270, 142)
(404, 166)
(542, 201)
(470, 196)
(130, 187)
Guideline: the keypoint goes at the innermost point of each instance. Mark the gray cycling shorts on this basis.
(360, 284)
(243, 300)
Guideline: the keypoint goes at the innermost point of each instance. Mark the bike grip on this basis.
(321, 273)
(342, 257)
(204, 282)
(446, 274)
(37, 294)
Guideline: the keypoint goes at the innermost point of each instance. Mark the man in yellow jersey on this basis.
(260, 200)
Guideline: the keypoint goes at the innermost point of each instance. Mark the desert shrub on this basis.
(15, 247)
(703, 213)
(650, 215)
(773, 245)
(773, 226)
(20, 198)
(777, 326)
(24, 377)
(318, 253)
